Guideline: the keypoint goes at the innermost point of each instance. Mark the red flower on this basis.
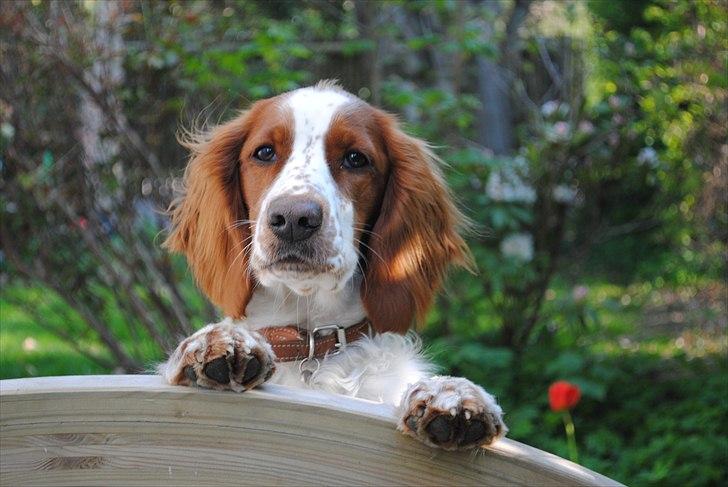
(563, 395)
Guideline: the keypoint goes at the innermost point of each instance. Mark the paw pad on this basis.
(218, 370)
(447, 430)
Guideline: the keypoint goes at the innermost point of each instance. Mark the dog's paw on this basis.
(450, 413)
(221, 356)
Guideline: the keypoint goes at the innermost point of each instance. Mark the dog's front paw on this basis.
(221, 356)
(451, 413)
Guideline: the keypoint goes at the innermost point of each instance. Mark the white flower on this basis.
(564, 194)
(586, 127)
(518, 245)
(507, 183)
(579, 293)
(508, 186)
(7, 130)
(549, 108)
(520, 164)
(559, 132)
(648, 156)
(562, 129)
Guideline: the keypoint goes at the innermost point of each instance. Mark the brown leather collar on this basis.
(291, 344)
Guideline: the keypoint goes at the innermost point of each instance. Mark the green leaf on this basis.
(568, 363)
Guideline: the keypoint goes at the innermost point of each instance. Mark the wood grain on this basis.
(136, 430)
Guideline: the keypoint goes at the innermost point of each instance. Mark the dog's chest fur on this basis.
(278, 305)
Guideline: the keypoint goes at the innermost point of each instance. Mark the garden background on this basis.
(586, 140)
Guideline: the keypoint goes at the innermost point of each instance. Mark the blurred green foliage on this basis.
(600, 238)
(652, 412)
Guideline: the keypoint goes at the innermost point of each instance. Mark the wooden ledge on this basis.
(136, 430)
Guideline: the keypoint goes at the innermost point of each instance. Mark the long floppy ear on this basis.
(209, 221)
(415, 236)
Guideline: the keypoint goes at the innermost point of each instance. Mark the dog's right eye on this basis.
(354, 160)
(265, 153)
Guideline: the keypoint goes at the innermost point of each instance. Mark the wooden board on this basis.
(136, 430)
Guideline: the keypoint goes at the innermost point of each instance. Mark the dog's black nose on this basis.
(294, 218)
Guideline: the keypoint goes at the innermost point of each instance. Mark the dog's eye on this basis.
(354, 160)
(265, 153)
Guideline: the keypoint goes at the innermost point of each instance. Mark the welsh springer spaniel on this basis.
(323, 232)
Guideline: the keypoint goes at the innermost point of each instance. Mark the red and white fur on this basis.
(385, 230)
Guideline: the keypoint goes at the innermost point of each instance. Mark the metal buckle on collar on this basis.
(308, 370)
(340, 339)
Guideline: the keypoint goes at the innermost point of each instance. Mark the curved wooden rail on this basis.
(136, 430)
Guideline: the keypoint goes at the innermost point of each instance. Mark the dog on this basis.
(323, 232)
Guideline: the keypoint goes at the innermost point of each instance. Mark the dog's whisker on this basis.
(285, 298)
(361, 269)
(363, 227)
(240, 223)
(359, 242)
(242, 252)
(243, 241)
(369, 232)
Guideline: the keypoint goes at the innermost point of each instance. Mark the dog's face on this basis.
(314, 169)
(307, 188)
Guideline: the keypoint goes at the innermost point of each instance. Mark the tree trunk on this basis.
(495, 120)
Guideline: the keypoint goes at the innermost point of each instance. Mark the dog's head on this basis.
(307, 188)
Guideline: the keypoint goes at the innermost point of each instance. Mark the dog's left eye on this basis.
(265, 153)
(354, 160)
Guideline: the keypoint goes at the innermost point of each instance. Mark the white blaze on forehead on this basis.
(307, 170)
(313, 109)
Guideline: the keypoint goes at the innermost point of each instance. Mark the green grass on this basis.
(27, 350)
